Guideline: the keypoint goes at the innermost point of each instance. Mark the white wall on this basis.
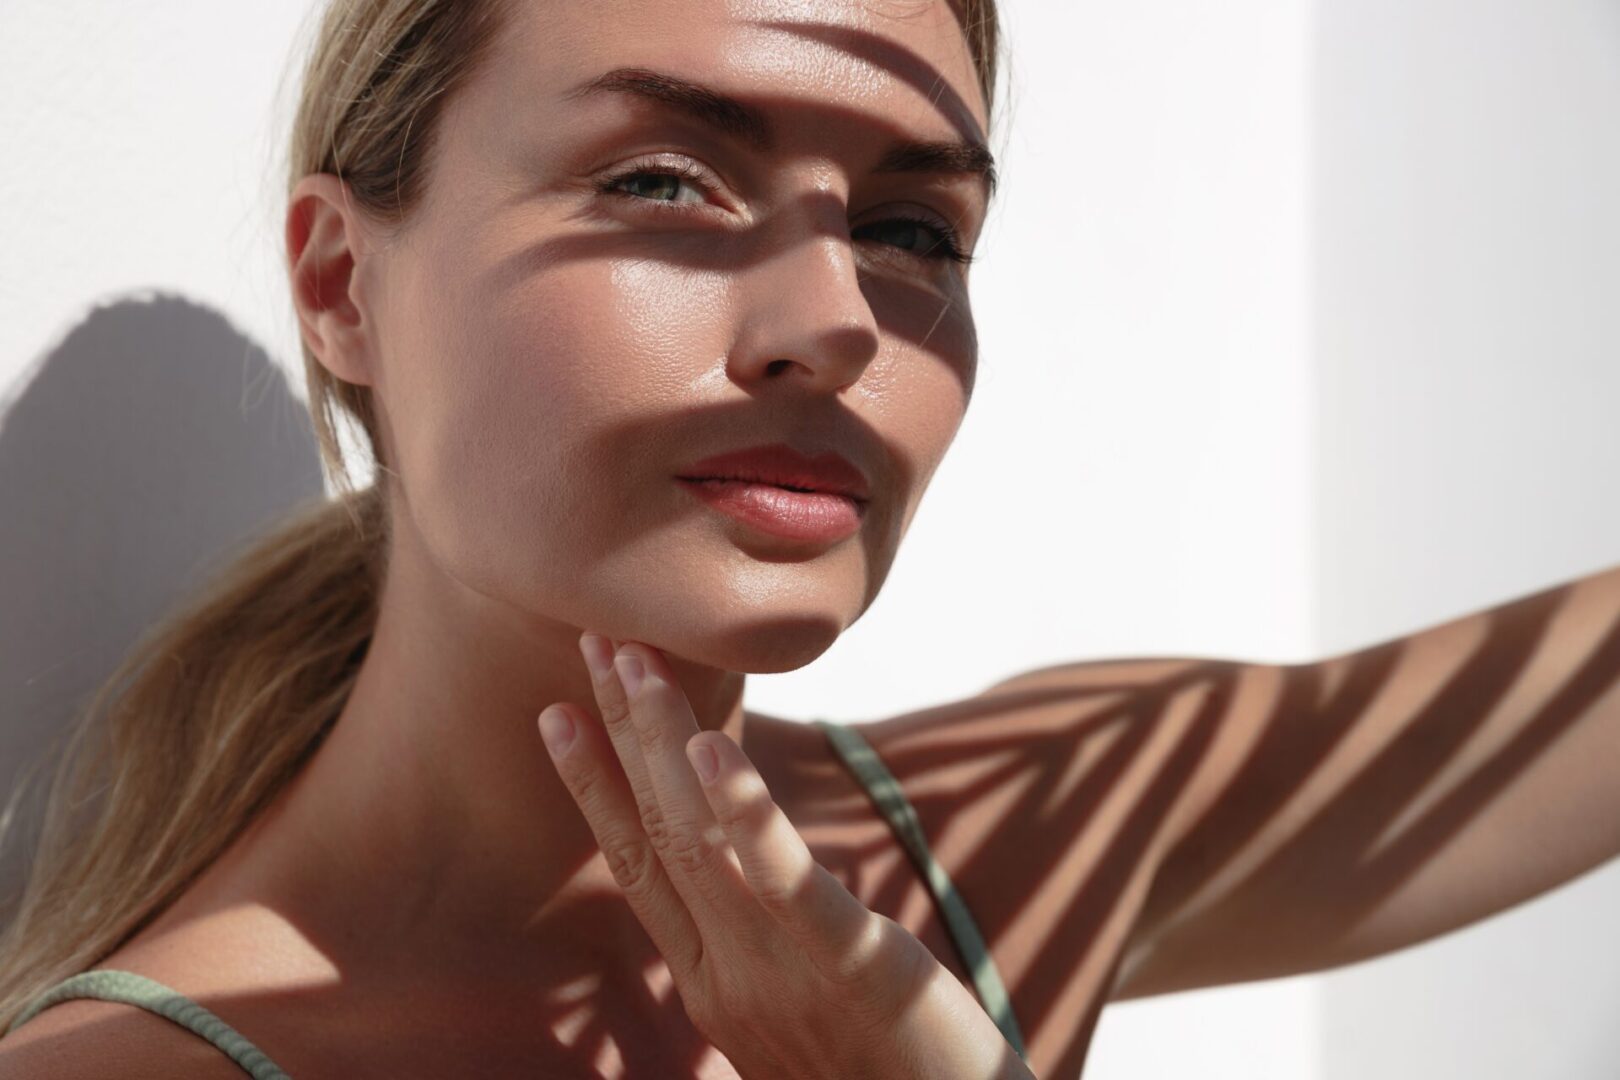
(1144, 400)
(146, 417)
(1293, 339)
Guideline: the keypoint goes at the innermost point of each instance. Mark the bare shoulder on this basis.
(90, 1037)
(1051, 799)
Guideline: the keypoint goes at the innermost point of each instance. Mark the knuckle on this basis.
(586, 785)
(880, 979)
(655, 825)
(616, 718)
(749, 810)
(632, 863)
(778, 894)
(865, 952)
(687, 852)
(656, 738)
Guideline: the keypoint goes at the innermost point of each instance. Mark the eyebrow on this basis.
(750, 124)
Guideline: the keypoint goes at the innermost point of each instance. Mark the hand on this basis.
(777, 964)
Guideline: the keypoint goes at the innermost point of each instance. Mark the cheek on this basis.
(541, 420)
(923, 391)
(918, 393)
(933, 325)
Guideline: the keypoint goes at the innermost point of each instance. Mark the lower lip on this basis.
(795, 515)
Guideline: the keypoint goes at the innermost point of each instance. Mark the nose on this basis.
(806, 315)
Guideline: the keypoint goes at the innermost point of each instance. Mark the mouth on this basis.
(783, 510)
(770, 483)
(781, 466)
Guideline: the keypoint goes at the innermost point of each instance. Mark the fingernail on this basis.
(703, 759)
(598, 655)
(630, 672)
(557, 729)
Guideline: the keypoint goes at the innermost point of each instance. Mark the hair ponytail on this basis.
(220, 704)
(201, 725)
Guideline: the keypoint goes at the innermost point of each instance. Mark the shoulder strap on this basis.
(109, 984)
(862, 760)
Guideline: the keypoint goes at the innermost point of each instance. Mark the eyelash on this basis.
(949, 246)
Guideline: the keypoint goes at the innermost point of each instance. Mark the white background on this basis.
(1298, 323)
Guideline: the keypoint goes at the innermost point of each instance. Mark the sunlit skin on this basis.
(548, 356)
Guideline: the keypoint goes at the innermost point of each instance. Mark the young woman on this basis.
(655, 318)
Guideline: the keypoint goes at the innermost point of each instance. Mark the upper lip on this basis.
(783, 465)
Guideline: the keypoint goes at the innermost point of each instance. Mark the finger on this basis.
(614, 708)
(590, 770)
(680, 824)
(830, 923)
(700, 898)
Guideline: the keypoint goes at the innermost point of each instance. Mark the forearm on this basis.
(1501, 777)
(1369, 801)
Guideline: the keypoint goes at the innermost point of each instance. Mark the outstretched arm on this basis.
(1390, 795)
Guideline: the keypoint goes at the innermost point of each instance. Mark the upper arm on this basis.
(1384, 797)
(90, 1037)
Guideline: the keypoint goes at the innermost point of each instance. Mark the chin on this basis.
(752, 646)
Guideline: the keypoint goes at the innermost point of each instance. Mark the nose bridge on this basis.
(809, 302)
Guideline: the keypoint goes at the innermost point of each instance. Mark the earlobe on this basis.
(320, 241)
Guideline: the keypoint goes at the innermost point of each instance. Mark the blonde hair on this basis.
(220, 704)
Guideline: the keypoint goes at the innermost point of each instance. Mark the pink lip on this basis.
(783, 466)
(816, 516)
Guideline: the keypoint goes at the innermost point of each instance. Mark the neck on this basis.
(432, 813)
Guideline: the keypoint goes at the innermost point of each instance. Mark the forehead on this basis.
(901, 62)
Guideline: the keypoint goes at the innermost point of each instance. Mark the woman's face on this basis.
(606, 286)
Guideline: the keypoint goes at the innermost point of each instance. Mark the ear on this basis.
(326, 247)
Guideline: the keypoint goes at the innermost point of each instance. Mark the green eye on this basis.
(656, 185)
(660, 186)
(652, 186)
(919, 237)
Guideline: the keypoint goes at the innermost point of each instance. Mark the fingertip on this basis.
(558, 729)
(704, 758)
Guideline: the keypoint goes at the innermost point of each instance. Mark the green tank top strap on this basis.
(862, 760)
(126, 987)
